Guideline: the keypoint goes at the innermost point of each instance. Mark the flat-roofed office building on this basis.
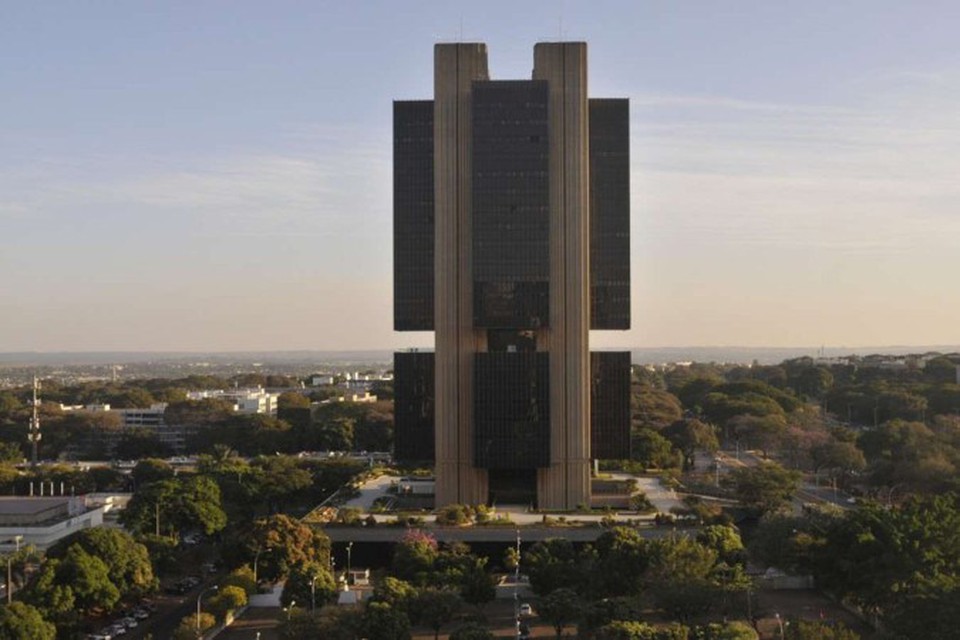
(512, 242)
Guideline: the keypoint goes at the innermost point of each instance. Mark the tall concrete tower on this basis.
(511, 224)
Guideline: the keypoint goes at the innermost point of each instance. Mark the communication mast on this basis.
(34, 434)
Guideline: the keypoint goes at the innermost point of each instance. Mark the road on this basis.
(807, 493)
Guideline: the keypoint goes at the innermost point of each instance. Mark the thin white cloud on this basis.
(880, 177)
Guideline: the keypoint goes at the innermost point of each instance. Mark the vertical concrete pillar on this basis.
(456, 66)
(566, 483)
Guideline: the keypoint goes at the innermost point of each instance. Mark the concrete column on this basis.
(566, 483)
(456, 66)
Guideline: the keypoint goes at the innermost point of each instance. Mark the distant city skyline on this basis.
(217, 176)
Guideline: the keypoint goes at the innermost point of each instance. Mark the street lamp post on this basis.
(199, 596)
(516, 587)
(349, 549)
(313, 593)
(779, 623)
(256, 559)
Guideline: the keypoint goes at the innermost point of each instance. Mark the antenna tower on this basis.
(34, 434)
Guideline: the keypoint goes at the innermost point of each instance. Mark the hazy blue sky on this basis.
(217, 175)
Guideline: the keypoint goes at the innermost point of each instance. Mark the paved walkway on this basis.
(663, 498)
(370, 491)
(257, 623)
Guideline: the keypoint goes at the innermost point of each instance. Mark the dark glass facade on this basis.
(609, 214)
(511, 204)
(413, 201)
(509, 245)
(511, 410)
(610, 405)
(413, 437)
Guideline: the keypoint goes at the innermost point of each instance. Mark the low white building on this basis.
(42, 522)
(255, 400)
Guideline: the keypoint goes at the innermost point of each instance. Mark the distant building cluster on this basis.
(245, 401)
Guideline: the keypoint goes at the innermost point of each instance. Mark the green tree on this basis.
(293, 400)
(810, 630)
(10, 453)
(199, 413)
(329, 623)
(227, 599)
(765, 487)
(724, 539)
(791, 542)
(19, 621)
(477, 586)
(560, 608)
(414, 557)
(652, 450)
(838, 458)
(880, 558)
(128, 562)
(89, 579)
(622, 558)
(241, 577)
(719, 407)
(131, 398)
(680, 575)
(553, 564)
(337, 434)
(453, 514)
(138, 444)
(599, 613)
(655, 408)
(48, 593)
(810, 381)
(281, 479)
(635, 630)
(435, 608)
(187, 629)
(380, 621)
(285, 543)
(471, 631)
(931, 616)
(725, 631)
(171, 506)
(151, 470)
(399, 594)
(760, 432)
(308, 584)
(689, 436)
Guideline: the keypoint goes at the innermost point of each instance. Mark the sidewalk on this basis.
(663, 498)
(257, 623)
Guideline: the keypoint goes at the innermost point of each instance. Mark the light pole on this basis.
(349, 549)
(289, 609)
(313, 593)
(199, 596)
(779, 623)
(256, 559)
(516, 587)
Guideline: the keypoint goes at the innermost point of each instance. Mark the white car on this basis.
(526, 610)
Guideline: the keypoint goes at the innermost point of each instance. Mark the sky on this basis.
(216, 175)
